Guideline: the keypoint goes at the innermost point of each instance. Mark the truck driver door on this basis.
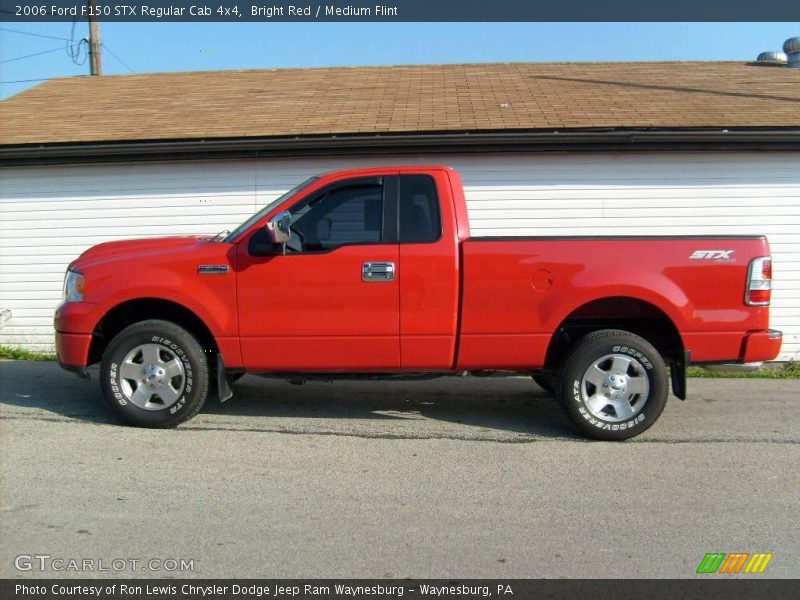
(332, 301)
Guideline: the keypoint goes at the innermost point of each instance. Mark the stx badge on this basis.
(712, 255)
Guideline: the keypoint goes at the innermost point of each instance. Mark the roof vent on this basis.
(771, 59)
(792, 49)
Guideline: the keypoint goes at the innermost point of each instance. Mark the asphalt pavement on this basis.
(451, 478)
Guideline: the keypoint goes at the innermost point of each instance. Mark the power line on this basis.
(124, 64)
(77, 50)
(28, 80)
(50, 37)
(31, 55)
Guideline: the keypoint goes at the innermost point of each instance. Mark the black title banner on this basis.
(731, 588)
(398, 10)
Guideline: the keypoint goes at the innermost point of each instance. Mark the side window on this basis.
(351, 213)
(419, 210)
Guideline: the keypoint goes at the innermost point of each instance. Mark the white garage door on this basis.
(50, 214)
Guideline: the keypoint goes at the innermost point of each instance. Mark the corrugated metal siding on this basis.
(50, 214)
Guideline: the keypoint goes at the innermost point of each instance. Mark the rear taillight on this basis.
(759, 282)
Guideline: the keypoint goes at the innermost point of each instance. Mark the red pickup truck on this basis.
(373, 272)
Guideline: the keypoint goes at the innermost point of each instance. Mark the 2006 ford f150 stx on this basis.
(373, 273)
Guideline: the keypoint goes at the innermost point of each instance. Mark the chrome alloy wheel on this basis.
(152, 377)
(615, 387)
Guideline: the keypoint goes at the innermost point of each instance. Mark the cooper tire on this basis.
(155, 374)
(613, 384)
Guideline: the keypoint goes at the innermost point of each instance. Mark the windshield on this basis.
(234, 235)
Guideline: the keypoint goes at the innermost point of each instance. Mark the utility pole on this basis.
(95, 56)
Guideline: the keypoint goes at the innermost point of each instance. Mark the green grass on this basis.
(789, 370)
(23, 354)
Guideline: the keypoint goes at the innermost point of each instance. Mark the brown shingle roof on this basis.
(287, 102)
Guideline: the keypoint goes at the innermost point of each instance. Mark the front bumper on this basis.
(74, 323)
(72, 350)
(762, 345)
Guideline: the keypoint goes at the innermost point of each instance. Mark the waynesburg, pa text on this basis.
(251, 590)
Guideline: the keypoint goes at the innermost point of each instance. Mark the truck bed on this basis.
(517, 291)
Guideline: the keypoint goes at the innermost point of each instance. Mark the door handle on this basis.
(377, 271)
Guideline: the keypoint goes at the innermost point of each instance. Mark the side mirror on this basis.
(272, 238)
(278, 228)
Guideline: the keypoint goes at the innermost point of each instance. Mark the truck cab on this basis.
(367, 280)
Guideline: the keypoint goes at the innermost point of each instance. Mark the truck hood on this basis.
(127, 249)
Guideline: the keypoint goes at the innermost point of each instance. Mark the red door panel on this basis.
(307, 312)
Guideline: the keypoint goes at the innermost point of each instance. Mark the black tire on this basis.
(172, 343)
(610, 350)
(546, 381)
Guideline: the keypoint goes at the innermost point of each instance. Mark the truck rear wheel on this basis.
(613, 384)
(155, 374)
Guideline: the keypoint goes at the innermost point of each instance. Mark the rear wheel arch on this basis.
(626, 313)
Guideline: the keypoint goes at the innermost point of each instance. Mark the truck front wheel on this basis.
(613, 384)
(155, 374)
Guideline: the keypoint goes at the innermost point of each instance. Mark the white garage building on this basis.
(544, 149)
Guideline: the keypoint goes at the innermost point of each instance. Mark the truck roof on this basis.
(361, 171)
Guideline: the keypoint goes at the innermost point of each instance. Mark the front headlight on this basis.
(73, 287)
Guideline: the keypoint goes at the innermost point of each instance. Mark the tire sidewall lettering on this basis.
(114, 384)
(637, 354)
(599, 423)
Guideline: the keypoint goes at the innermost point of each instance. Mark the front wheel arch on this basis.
(141, 309)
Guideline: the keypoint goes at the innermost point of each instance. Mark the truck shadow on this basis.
(460, 407)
